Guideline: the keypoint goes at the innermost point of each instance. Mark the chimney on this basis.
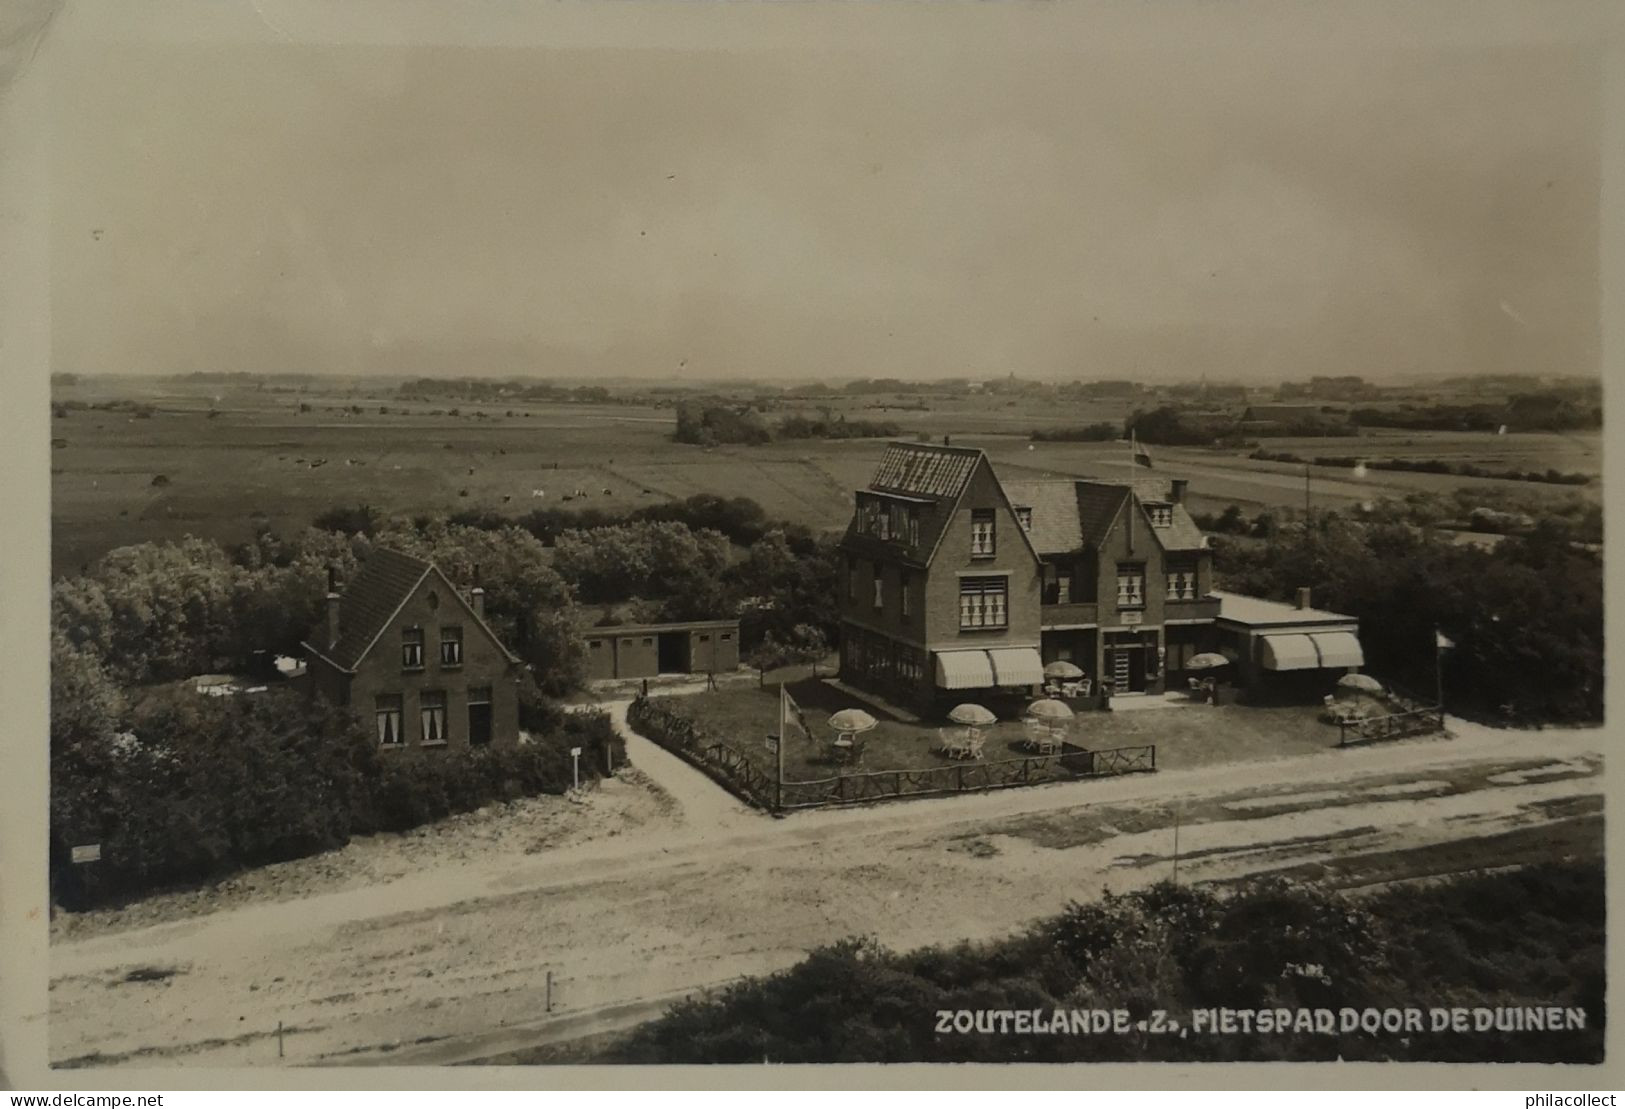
(476, 596)
(1303, 596)
(332, 606)
(1177, 490)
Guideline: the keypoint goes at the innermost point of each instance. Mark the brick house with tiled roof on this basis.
(407, 651)
(940, 591)
(958, 586)
(1128, 578)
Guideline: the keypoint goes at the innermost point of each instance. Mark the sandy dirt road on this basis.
(453, 963)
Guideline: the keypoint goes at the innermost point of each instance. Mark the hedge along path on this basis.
(702, 803)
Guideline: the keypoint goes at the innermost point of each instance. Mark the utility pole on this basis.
(1177, 809)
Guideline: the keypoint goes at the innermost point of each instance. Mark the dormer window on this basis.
(1024, 516)
(1162, 515)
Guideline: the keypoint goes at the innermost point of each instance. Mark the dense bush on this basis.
(1091, 433)
(180, 787)
(1531, 937)
(838, 427)
(1526, 617)
(708, 424)
(1425, 466)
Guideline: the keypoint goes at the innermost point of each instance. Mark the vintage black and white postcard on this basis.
(606, 535)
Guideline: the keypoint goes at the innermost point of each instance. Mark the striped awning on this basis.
(1295, 651)
(1338, 649)
(964, 670)
(1016, 666)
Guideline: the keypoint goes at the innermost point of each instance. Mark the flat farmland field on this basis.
(260, 461)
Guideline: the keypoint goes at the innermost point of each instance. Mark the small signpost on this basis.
(772, 743)
(575, 765)
(88, 853)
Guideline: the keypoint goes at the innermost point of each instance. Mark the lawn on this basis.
(1185, 736)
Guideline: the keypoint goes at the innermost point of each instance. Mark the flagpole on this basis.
(784, 737)
(1438, 670)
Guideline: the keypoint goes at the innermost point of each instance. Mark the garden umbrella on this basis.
(852, 721)
(1049, 709)
(1207, 660)
(1360, 683)
(1063, 670)
(972, 716)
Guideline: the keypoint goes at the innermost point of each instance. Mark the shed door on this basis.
(479, 716)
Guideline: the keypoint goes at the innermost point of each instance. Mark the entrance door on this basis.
(479, 717)
(1126, 667)
(673, 652)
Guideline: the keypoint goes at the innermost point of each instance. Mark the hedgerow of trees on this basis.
(1531, 937)
(179, 788)
(1526, 617)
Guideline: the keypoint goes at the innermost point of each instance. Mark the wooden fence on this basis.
(1392, 725)
(967, 777)
(751, 784)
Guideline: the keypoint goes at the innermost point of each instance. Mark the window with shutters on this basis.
(983, 602)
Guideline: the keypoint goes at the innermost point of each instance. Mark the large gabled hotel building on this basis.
(957, 586)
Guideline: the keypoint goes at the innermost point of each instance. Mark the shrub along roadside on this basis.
(200, 786)
(1533, 937)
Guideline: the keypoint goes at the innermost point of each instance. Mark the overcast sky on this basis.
(1051, 202)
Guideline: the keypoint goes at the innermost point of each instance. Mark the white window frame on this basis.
(394, 715)
(982, 607)
(984, 537)
(1182, 584)
(1131, 585)
(432, 717)
(454, 641)
(412, 649)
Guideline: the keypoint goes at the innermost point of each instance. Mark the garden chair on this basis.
(953, 741)
(974, 749)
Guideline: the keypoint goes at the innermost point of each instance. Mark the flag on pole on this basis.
(790, 713)
(1142, 457)
(1442, 641)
